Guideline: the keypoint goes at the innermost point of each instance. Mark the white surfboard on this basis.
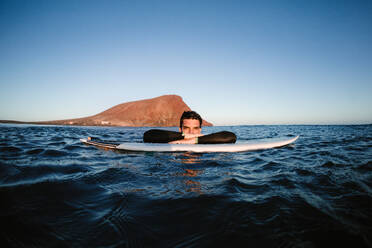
(199, 148)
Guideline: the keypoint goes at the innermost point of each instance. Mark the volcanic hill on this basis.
(162, 111)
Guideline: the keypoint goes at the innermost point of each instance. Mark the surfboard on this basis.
(198, 148)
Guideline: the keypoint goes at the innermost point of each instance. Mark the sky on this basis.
(234, 62)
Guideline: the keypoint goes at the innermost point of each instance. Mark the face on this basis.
(191, 126)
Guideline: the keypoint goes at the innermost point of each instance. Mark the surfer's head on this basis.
(190, 123)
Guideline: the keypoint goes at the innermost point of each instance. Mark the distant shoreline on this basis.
(98, 125)
(50, 123)
(44, 123)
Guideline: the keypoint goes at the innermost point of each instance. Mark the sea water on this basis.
(57, 192)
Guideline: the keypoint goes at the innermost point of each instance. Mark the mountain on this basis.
(162, 111)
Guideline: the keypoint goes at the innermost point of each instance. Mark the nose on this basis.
(193, 131)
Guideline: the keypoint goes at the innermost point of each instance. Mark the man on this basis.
(190, 133)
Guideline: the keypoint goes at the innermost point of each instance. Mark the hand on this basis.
(184, 141)
(188, 136)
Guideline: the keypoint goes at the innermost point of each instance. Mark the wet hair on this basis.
(190, 115)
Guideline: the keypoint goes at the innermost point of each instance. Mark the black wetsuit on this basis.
(164, 136)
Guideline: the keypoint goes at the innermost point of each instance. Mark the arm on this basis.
(161, 136)
(164, 136)
(218, 138)
(214, 138)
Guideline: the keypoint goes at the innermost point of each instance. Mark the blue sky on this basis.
(234, 62)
